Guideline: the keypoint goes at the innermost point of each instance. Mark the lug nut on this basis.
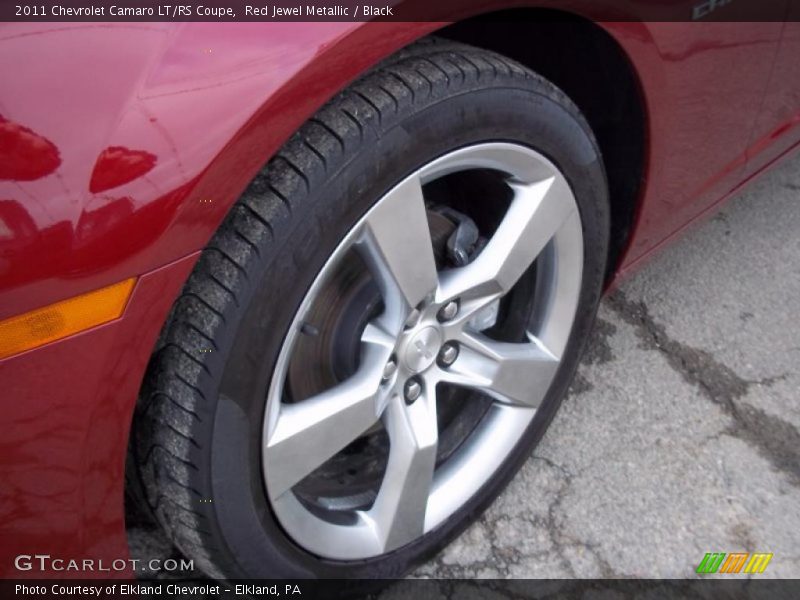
(412, 390)
(389, 369)
(448, 311)
(448, 354)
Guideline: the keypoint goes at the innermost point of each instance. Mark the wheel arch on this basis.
(588, 63)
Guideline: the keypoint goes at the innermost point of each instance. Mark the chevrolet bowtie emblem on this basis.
(423, 349)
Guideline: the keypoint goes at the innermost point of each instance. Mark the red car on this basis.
(310, 293)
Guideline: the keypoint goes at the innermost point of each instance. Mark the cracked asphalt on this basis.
(681, 433)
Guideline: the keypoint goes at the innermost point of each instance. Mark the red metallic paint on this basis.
(123, 146)
(66, 412)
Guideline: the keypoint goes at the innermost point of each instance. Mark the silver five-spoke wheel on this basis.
(428, 330)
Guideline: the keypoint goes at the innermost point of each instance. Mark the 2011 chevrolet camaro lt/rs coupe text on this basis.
(310, 293)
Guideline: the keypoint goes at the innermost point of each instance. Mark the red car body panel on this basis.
(123, 162)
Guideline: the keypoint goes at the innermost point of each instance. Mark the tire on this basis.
(200, 424)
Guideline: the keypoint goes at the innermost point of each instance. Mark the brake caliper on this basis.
(465, 242)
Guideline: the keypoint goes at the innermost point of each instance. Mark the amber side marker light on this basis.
(68, 317)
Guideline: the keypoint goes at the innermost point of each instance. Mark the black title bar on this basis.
(389, 10)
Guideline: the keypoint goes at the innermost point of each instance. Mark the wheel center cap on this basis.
(422, 349)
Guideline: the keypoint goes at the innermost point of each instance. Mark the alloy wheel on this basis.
(422, 330)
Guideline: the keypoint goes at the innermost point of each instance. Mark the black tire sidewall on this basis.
(248, 539)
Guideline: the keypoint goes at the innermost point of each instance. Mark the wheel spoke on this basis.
(311, 431)
(399, 509)
(535, 215)
(397, 246)
(518, 374)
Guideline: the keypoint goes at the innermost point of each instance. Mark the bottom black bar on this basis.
(415, 589)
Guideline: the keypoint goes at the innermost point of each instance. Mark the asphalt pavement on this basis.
(681, 434)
